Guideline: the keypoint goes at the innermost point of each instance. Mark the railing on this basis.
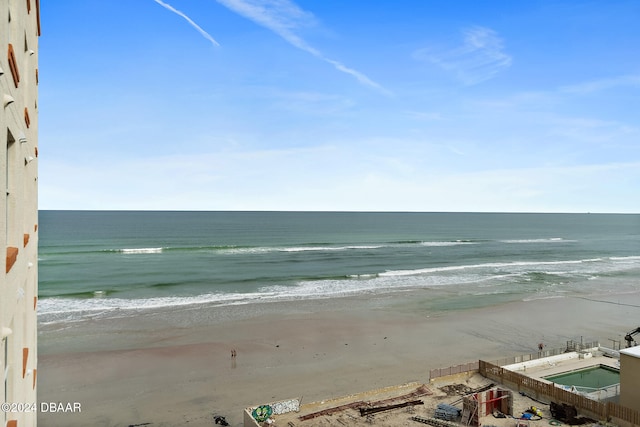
(598, 394)
(473, 366)
(571, 346)
(622, 412)
(453, 370)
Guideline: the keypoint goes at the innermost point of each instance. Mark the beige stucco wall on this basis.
(630, 378)
(19, 32)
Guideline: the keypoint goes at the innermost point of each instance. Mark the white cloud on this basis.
(591, 130)
(314, 103)
(280, 16)
(328, 178)
(480, 57)
(603, 84)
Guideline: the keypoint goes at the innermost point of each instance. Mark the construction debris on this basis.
(568, 414)
(434, 422)
(331, 411)
(420, 391)
(481, 404)
(447, 412)
(366, 410)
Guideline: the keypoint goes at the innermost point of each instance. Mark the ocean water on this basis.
(107, 263)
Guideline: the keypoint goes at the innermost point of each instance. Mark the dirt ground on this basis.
(448, 391)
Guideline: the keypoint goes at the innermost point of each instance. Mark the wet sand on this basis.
(174, 367)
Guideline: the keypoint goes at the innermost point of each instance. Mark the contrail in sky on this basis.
(284, 17)
(189, 20)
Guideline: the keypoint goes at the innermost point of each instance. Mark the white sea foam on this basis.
(486, 276)
(259, 250)
(130, 251)
(546, 240)
(625, 259)
(453, 243)
(64, 309)
(267, 249)
(542, 297)
(57, 309)
(327, 248)
(421, 271)
(363, 276)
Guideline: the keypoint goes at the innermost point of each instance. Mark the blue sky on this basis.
(406, 105)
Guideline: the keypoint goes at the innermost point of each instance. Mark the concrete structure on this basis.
(19, 32)
(630, 377)
(484, 403)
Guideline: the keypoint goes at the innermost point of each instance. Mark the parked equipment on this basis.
(629, 337)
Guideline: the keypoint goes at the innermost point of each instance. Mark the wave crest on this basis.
(130, 251)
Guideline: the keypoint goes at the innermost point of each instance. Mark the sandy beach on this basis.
(174, 367)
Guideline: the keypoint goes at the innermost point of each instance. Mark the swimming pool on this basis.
(595, 377)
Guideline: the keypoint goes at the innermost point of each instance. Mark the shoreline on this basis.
(174, 366)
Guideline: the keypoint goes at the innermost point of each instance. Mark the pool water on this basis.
(593, 377)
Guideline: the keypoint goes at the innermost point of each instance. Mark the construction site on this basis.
(514, 392)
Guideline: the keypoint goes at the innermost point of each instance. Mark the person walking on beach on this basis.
(233, 358)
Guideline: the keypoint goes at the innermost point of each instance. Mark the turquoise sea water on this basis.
(96, 263)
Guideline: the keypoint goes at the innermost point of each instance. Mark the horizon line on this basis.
(342, 211)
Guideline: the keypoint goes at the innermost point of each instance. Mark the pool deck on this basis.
(551, 366)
